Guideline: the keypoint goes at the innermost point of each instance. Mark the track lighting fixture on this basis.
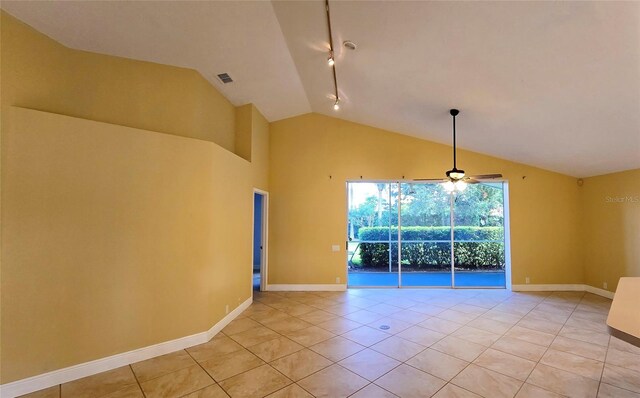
(331, 60)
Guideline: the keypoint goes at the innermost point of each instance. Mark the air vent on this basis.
(225, 78)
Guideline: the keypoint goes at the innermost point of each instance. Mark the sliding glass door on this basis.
(479, 238)
(373, 234)
(425, 225)
(400, 234)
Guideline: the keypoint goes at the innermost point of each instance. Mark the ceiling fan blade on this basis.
(471, 181)
(430, 179)
(486, 176)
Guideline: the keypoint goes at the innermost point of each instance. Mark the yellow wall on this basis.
(115, 238)
(611, 227)
(259, 149)
(243, 133)
(39, 73)
(252, 142)
(308, 209)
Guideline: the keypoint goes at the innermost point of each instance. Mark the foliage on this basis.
(431, 233)
(364, 215)
(428, 252)
(428, 205)
(425, 216)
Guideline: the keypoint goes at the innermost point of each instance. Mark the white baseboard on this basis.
(548, 288)
(563, 288)
(306, 288)
(599, 292)
(79, 371)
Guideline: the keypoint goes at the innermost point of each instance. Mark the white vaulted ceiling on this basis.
(240, 38)
(551, 84)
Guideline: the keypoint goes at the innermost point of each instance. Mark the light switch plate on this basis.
(335, 248)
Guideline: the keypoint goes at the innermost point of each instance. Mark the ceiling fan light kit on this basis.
(455, 174)
(457, 186)
(456, 180)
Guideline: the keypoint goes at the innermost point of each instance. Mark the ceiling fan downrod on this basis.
(454, 173)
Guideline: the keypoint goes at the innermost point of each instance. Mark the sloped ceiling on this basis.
(240, 38)
(551, 84)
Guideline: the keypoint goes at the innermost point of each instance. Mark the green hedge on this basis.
(434, 255)
(432, 233)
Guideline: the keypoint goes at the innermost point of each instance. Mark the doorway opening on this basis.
(419, 235)
(259, 263)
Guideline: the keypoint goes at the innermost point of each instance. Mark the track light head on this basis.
(331, 61)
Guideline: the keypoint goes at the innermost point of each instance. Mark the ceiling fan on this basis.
(456, 179)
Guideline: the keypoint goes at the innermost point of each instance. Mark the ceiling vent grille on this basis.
(225, 78)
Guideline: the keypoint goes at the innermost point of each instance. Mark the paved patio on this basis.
(439, 279)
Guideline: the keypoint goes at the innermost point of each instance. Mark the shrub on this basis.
(428, 252)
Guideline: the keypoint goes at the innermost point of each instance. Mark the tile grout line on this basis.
(429, 347)
(447, 335)
(338, 364)
(426, 348)
(538, 303)
(522, 317)
(304, 347)
(514, 325)
(290, 302)
(549, 346)
(603, 366)
(469, 362)
(377, 378)
(575, 307)
(211, 376)
(137, 381)
(205, 371)
(450, 334)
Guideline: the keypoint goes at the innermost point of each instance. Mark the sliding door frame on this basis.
(506, 233)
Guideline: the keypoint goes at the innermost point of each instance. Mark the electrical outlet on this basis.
(226, 309)
(337, 279)
(604, 285)
(335, 248)
(527, 280)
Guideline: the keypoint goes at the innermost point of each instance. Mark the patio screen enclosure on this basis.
(417, 234)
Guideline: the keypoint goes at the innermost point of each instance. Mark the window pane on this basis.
(372, 253)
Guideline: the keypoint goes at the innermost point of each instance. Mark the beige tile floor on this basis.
(388, 343)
